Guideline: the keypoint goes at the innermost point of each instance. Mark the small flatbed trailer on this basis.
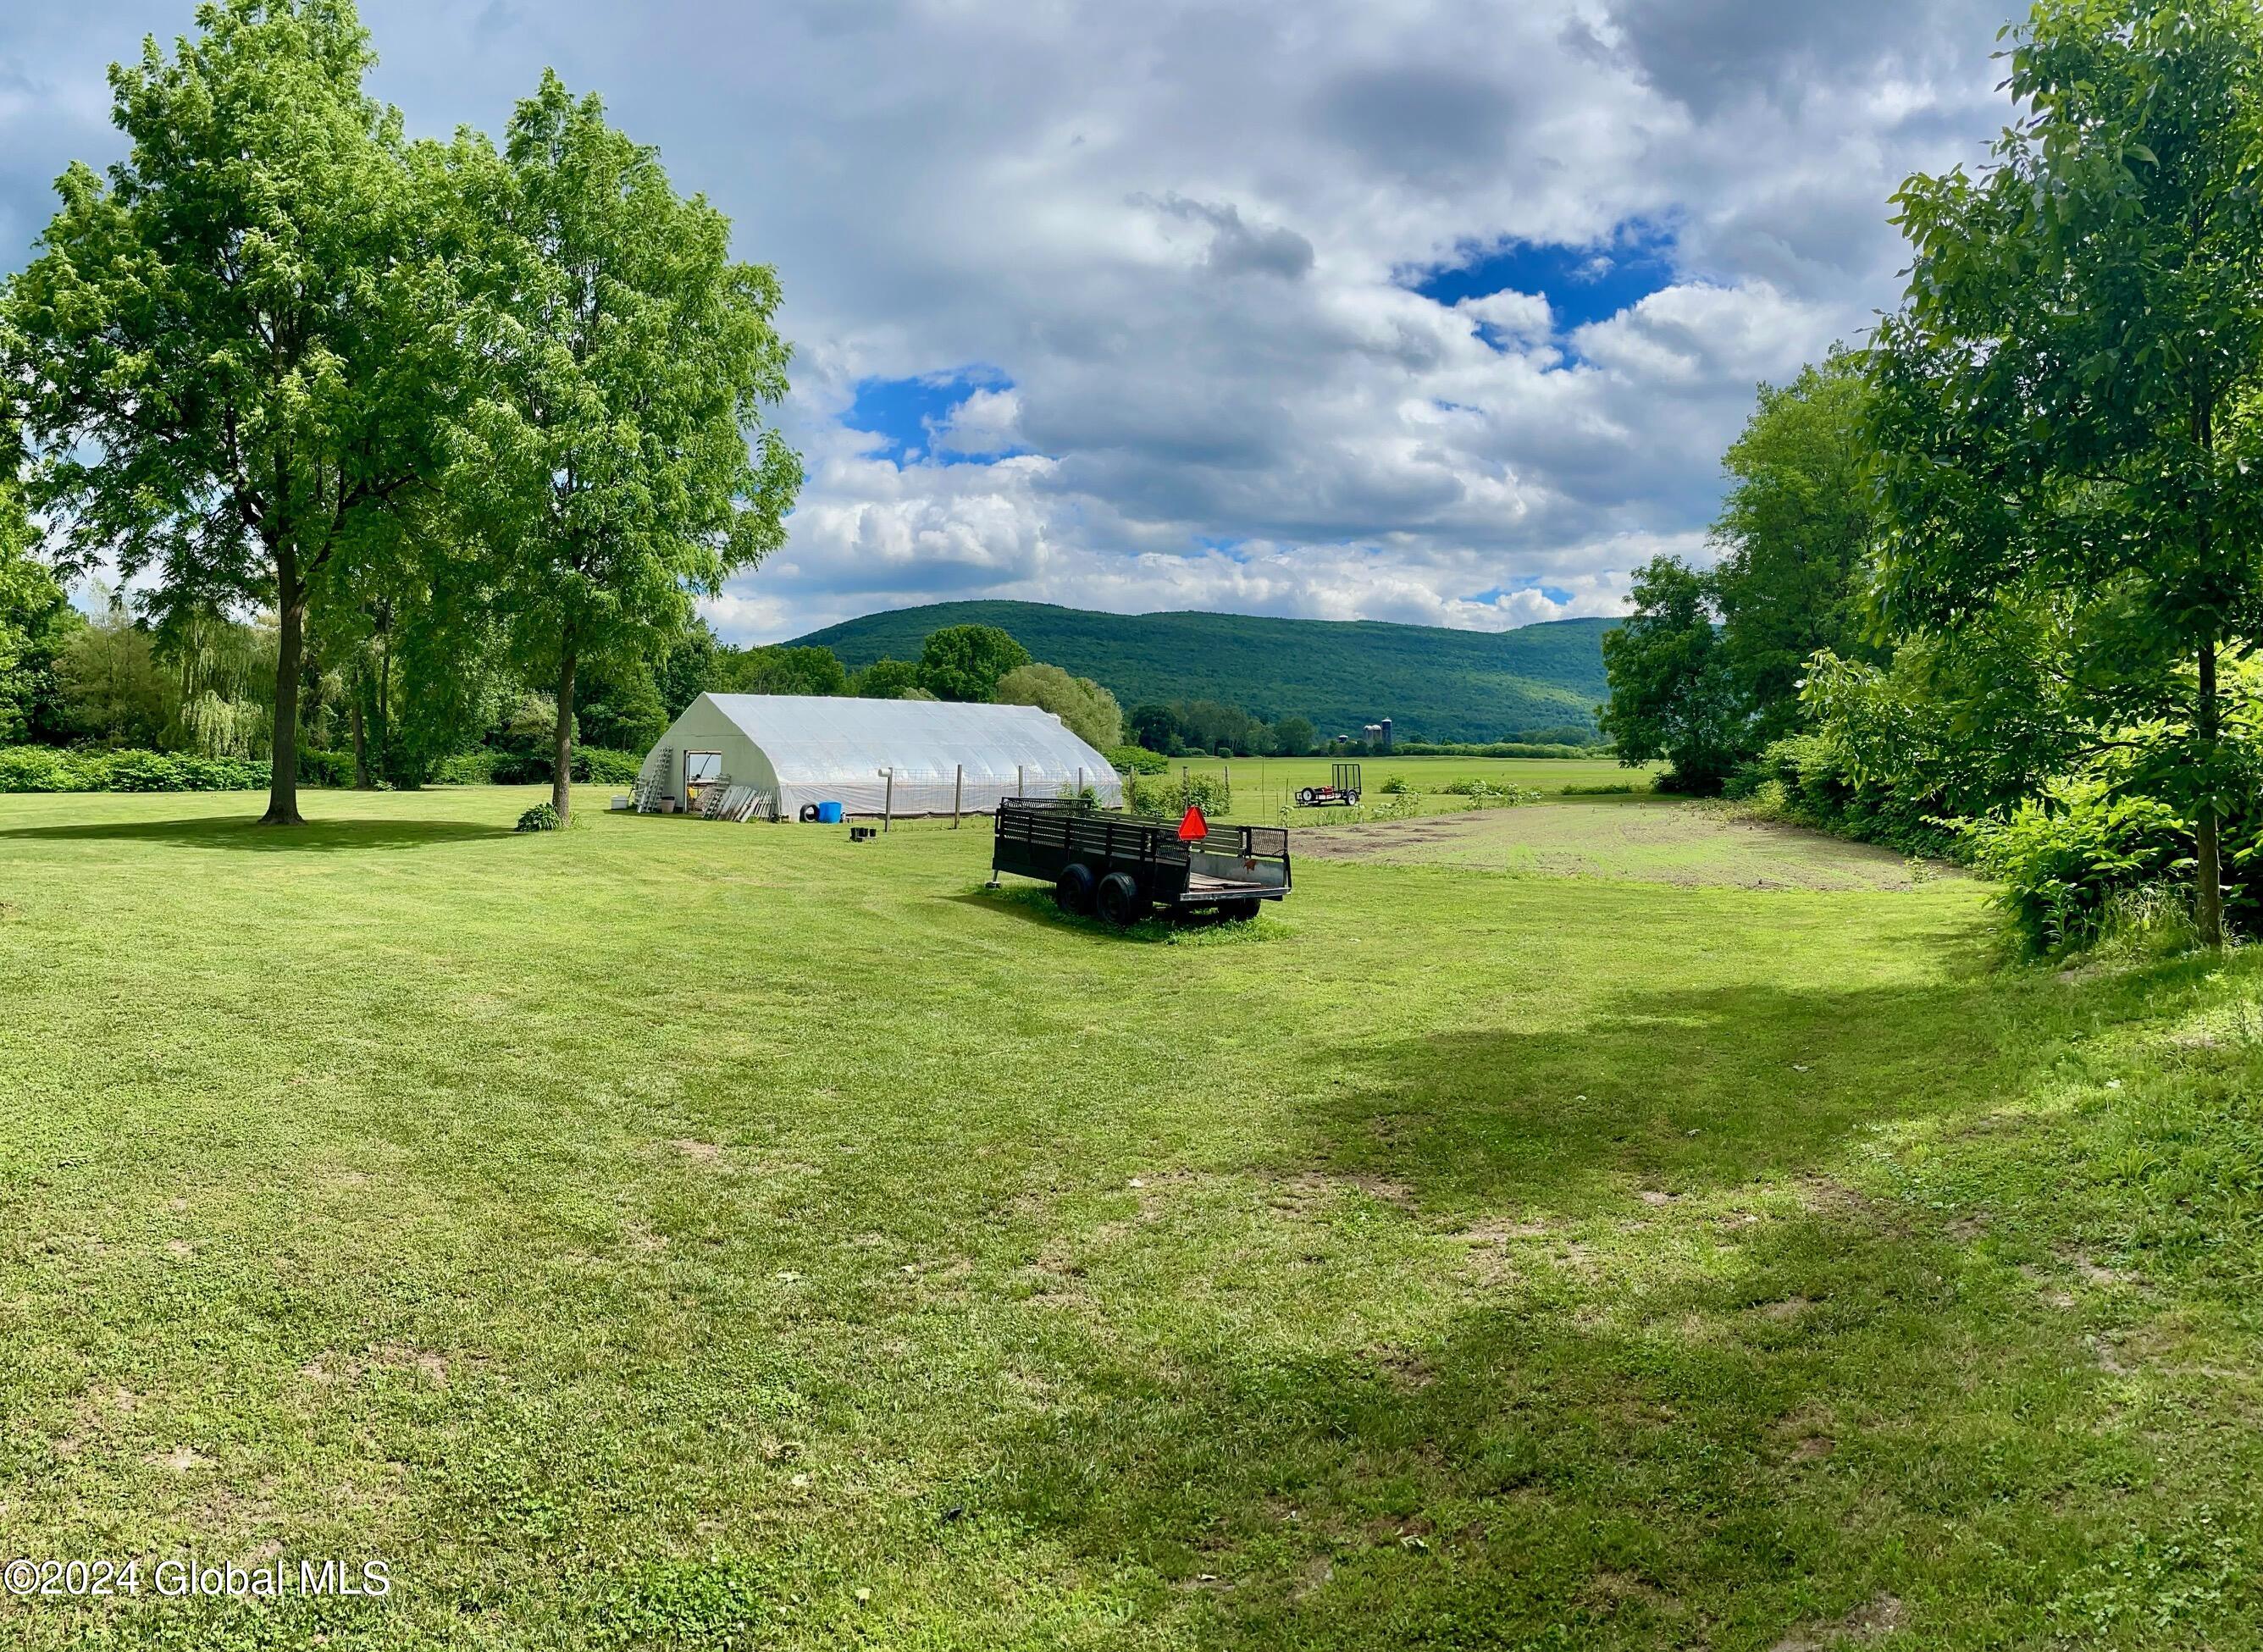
(1122, 868)
(1343, 788)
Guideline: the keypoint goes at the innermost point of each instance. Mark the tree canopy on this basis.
(964, 662)
(234, 351)
(1086, 710)
(2066, 401)
(606, 465)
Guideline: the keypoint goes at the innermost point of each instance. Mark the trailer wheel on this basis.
(1073, 892)
(1118, 901)
(1307, 795)
(1237, 911)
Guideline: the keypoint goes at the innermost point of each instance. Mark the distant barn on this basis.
(773, 755)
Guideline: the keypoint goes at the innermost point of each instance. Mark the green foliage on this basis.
(1088, 711)
(888, 680)
(324, 768)
(1673, 694)
(965, 662)
(1795, 532)
(235, 351)
(47, 769)
(1168, 797)
(607, 464)
(1492, 794)
(602, 768)
(1394, 786)
(1137, 760)
(480, 767)
(1293, 736)
(542, 818)
(1446, 685)
(2064, 861)
(113, 692)
(30, 599)
(787, 670)
(1493, 748)
(2064, 401)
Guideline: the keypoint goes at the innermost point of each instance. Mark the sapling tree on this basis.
(2065, 401)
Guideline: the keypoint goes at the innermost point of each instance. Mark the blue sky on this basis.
(1183, 306)
(1582, 284)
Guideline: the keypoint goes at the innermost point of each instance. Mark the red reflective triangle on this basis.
(1194, 827)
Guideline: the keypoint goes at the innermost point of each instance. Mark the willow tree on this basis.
(230, 350)
(2066, 401)
(619, 465)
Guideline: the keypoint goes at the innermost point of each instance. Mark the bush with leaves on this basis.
(1138, 759)
(541, 818)
(2064, 862)
(1168, 797)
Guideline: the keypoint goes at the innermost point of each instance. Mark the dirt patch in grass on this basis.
(1654, 843)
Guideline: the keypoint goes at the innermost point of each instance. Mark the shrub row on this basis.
(52, 768)
(593, 765)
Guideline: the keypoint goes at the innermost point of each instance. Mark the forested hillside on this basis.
(1434, 684)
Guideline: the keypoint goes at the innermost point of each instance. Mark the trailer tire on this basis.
(1237, 912)
(808, 813)
(1118, 901)
(1307, 795)
(1073, 892)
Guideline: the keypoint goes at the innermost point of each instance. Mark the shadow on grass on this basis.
(317, 836)
(1720, 1462)
(1034, 903)
(1684, 1427)
(1687, 1091)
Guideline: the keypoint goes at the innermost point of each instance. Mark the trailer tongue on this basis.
(1122, 868)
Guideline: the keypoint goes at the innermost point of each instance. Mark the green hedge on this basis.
(485, 766)
(50, 768)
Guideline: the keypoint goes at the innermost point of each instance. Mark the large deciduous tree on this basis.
(1796, 531)
(1671, 695)
(231, 350)
(2066, 401)
(964, 662)
(619, 464)
(1086, 709)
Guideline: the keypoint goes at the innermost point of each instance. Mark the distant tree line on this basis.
(1994, 584)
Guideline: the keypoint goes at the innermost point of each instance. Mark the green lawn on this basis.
(1264, 786)
(673, 1234)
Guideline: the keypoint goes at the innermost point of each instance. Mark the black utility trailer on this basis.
(1122, 868)
(1342, 787)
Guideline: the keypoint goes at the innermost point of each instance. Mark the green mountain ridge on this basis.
(1433, 683)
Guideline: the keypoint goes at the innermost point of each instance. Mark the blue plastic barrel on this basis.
(829, 814)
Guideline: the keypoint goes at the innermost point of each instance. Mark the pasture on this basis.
(670, 1234)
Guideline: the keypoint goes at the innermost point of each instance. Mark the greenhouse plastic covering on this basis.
(798, 749)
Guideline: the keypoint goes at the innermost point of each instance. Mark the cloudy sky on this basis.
(1385, 309)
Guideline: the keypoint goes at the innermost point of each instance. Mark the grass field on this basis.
(670, 1234)
(1264, 786)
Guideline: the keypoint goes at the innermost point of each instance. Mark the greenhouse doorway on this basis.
(701, 770)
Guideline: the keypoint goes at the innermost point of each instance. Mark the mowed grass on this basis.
(673, 1233)
(1264, 788)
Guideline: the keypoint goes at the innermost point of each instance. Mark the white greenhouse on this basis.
(786, 756)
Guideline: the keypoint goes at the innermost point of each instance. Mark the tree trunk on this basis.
(360, 733)
(2207, 870)
(290, 652)
(561, 773)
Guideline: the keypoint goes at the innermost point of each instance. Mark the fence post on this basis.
(1080, 779)
(888, 799)
(1021, 786)
(958, 792)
